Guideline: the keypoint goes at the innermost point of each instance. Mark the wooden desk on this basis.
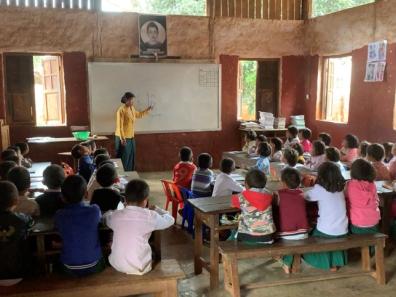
(267, 132)
(242, 159)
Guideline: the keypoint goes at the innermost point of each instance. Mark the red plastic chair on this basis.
(173, 195)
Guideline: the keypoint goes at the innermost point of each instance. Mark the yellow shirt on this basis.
(126, 117)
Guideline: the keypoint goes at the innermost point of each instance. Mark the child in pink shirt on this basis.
(375, 155)
(318, 155)
(362, 199)
(392, 163)
(305, 136)
(350, 149)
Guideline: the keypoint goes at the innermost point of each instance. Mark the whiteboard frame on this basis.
(219, 128)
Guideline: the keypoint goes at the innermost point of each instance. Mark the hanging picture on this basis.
(152, 36)
(377, 51)
(375, 71)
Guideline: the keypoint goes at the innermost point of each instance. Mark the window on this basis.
(247, 90)
(181, 7)
(336, 87)
(322, 7)
(35, 89)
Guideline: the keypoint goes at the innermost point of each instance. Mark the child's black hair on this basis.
(299, 148)
(363, 148)
(388, 149)
(278, 143)
(20, 177)
(5, 167)
(106, 175)
(99, 159)
(227, 165)
(256, 179)
(352, 141)
(291, 156)
(306, 133)
(23, 147)
(185, 154)
(291, 177)
(7, 154)
(204, 161)
(333, 154)
(293, 131)
(251, 135)
(76, 151)
(126, 97)
(136, 191)
(73, 189)
(101, 151)
(54, 176)
(9, 195)
(376, 151)
(326, 138)
(363, 170)
(15, 148)
(262, 138)
(318, 148)
(264, 149)
(330, 177)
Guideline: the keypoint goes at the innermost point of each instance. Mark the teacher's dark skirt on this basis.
(126, 152)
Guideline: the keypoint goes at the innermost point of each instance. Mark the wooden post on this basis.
(296, 266)
(266, 9)
(306, 9)
(238, 9)
(231, 8)
(217, 8)
(259, 9)
(224, 8)
(379, 262)
(214, 251)
(198, 243)
(365, 252)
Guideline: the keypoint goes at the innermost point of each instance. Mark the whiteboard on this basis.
(186, 97)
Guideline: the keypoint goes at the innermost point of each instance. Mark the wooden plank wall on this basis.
(257, 9)
(59, 4)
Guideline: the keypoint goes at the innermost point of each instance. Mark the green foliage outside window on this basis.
(322, 7)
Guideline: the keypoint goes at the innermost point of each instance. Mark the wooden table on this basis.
(208, 210)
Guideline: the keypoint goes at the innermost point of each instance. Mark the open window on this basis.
(35, 89)
(323, 7)
(333, 105)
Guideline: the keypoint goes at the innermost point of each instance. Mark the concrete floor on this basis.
(177, 244)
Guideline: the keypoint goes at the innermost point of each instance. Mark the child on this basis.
(106, 197)
(362, 199)
(10, 155)
(349, 150)
(51, 201)
(305, 136)
(24, 148)
(93, 184)
(100, 151)
(317, 155)
(20, 177)
(225, 185)
(85, 164)
(250, 142)
(203, 177)
(290, 157)
(78, 224)
(5, 167)
(260, 139)
(184, 170)
(14, 249)
(276, 148)
(326, 138)
(332, 221)
(375, 155)
(263, 162)
(293, 222)
(256, 223)
(292, 136)
(388, 152)
(333, 155)
(132, 227)
(392, 163)
(300, 150)
(363, 149)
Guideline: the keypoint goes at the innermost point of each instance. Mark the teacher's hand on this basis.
(123, 142)
(151, 107)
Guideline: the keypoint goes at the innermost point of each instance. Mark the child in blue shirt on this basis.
(78, 227)
(263, 162)
(82, 153)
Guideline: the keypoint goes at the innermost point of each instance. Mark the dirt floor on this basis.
(178, 244)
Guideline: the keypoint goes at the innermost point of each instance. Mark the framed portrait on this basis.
(152, 36)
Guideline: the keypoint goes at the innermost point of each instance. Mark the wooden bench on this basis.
(161, 281)
(233, 251)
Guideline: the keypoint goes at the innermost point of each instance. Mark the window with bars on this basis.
(323, 7)
(336, 87)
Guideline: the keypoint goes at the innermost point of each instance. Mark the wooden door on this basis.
(267, 87)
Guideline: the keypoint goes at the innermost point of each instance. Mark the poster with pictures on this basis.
(376, 61)
(152, 36)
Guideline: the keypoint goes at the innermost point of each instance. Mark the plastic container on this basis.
(81, 135)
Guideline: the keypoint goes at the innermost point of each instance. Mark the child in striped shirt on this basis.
(201, 184)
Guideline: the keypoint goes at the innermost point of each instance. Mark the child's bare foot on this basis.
(333, 269)
(286, 269)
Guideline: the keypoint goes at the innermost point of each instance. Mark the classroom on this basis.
(197, 148)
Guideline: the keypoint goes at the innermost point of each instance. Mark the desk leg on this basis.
(40, 244)
(214, 251)
(386, 215)
(157, 245)
(198, 242)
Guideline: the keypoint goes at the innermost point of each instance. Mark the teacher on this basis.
(125, 130)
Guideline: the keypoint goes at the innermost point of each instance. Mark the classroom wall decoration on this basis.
(376, 61)
(152, 36)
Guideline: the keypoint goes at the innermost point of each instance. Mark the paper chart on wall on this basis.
(376, 61)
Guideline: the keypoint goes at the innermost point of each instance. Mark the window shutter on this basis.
(20, 88)
(52, 95)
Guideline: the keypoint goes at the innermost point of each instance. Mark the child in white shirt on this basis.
(292, 136)
(132, 227)
(224, 184)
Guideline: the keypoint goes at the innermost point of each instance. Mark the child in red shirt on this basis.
(184, 170)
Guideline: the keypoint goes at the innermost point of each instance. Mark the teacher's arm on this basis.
(140, 114)
(120, 121)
